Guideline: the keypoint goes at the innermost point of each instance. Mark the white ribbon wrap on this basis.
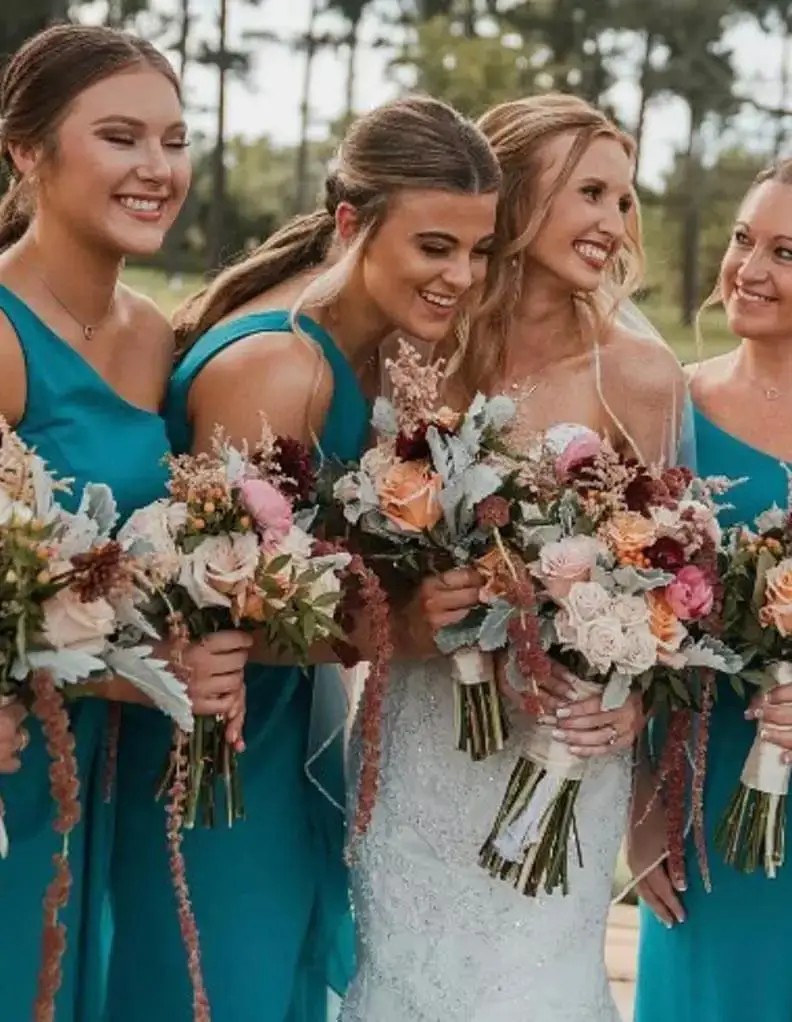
(4, 843)
(764, 769)
(472, 667)
(559, 764)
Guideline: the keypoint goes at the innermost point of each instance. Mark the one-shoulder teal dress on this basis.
(269, 894)
(84, 430)
(729, 962)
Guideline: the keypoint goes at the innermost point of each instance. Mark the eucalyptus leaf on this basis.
(98, 504)
(494, 627)
(632, 580)
(153, 678)
(384, 419)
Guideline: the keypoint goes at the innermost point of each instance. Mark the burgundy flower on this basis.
(666, 553)
(493, 512)
(640, 493)
(677, 480)
(413, 447)
(294, 463)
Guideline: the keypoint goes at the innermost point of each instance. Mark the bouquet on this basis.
(227, 550)
(412, 506)
(68, 611)
(758, 621)
(607, 567)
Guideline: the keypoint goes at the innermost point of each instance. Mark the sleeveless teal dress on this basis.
(729, 962)
(84, 430)
(269, 894)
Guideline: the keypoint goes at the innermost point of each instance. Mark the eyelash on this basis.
(783, 252)
(594, 192)
(127, 140)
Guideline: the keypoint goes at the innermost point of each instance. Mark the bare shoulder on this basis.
(706, 377)
(149, 326)
(643, 364)
(13, 377)
(280, 375)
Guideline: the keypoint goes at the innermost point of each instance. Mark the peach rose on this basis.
(408, 495)
(567, 561)
(628, 533)
(664, 625)
(777, 611)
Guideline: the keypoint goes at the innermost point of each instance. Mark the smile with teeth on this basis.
(592, 252)
(141, 205)
(441, 301)
(751, 296)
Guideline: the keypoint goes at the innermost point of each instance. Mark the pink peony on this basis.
(271, 510)
(583, 447)
(690, 595)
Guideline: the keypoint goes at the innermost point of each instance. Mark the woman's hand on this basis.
(773, 710)
(447, 599)
(213, 669)
(589, 730)
(13, 737)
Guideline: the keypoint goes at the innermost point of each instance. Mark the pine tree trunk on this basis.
(786, 99)
(644, 86)
(691, 228)
(184, 35)
(351, 75)
(301, 169)
(215, 247)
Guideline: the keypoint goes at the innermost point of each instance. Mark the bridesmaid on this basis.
(293, 331)
(92, 134)
(723, 957)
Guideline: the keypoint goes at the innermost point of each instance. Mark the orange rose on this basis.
(495, 572)
(663, 622)
(628, 534)
(777, 611)
(408, 495)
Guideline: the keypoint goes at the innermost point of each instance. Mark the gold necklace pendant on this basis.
(88, 331)
(772, 393)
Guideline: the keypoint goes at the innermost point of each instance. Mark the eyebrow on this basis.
(777, 237)
(133, 122)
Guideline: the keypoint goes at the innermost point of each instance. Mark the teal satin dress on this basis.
(87, 431)
(729, 961)
(269, 894)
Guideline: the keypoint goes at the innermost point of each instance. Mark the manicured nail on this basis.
(753, 714)
(546, 719)
(786, 757)
(576, 750)
(559, 735)
(763, 732)
(563, 713)
(668, 926)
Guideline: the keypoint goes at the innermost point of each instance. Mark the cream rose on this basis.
(149, 536)
(219, 568)
(639, 652)
(568, 561)
(586, 601)
(69, 623)
(630, 611)
(601, 642)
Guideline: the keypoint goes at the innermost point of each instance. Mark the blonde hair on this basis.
(519, 132)
(413, 142)
(780, 172)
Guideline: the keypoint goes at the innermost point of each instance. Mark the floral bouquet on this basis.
(413, 506)
(609, 570)
(226, 550)
(68, 606)
(758, 622)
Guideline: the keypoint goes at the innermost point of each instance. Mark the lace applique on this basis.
(439, 940)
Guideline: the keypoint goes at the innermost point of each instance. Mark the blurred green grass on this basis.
(169, 293)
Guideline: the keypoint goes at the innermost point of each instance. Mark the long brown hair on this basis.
(413, 142)
(41, 81)
(519, 132)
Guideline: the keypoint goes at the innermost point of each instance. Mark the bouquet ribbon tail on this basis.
(523, 830)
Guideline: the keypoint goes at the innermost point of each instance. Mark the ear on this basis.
(25, 158)
(347, 222)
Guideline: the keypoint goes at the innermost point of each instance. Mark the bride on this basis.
(439, 940)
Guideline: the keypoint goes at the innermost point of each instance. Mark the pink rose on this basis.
(568, 561)
(583, 447)
(271, 510)
(690, 595)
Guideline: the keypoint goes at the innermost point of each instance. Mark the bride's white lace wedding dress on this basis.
(440, 941)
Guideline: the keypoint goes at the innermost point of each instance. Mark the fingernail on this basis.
(786, 757)
(559, 734)
(680, 918)
(753, 714)
(668, 926)
(576, 750)
(763, 732)
(546, 719)
(563, 713)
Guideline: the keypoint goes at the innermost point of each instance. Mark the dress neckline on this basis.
(80, 359)
(739, 440)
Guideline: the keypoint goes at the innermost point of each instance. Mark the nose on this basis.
(459, 273)
(754, 265)
(155, 166)
(612, 220)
